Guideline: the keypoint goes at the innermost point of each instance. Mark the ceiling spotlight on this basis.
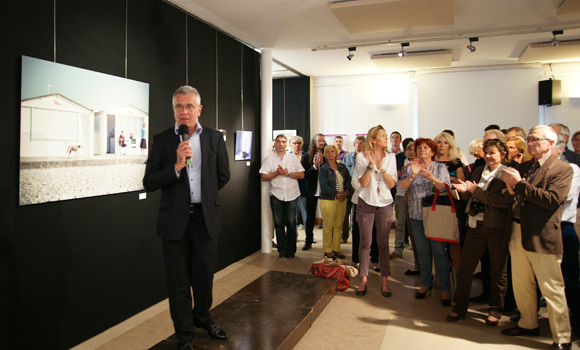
(350, 53)
(470, 47)
(555, 41)
(403, 52)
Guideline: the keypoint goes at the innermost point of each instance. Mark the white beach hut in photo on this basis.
(52, 123)
(110, 122)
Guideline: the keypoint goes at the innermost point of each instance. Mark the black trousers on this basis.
(311, 203)
(190, 262)
(476, 242)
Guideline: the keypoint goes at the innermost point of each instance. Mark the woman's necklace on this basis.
(378, 174)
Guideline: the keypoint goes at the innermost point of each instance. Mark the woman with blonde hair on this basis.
(448, 155)
(376, 169)
(335, 185)
(518, 149)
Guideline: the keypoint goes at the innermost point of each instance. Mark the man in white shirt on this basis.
(283, 171)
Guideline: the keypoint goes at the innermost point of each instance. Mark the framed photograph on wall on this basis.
(243, 145)
(82, 133)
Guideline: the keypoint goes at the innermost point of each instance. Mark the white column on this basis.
(266, 145)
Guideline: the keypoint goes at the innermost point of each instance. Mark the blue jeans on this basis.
(284, 215)
(439, 249)
(301, 207)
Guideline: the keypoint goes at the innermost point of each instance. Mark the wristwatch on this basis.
(434, 182)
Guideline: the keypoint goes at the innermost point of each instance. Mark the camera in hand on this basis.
(476, 207)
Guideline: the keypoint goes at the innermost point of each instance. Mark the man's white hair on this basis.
(186, 90)
(547, 132)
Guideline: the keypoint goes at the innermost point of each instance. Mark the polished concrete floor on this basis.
(348, 321)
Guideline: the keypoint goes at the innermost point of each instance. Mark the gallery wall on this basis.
(465, 102)
(291, 106)
(72, 269)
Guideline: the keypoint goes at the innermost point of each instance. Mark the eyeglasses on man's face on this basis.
(189, 107)
(534, 139)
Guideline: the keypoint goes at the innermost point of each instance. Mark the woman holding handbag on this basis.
(421, 178)
(376, 169)
(488, 198)
(335, 185)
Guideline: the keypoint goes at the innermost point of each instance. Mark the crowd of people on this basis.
(516, 207)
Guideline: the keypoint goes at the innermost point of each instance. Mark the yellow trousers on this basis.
(333, 212)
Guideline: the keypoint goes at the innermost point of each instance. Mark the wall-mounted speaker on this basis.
(550, 92)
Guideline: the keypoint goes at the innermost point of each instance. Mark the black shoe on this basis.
(453, 318)
(290, 255)
(184, 346)
(339, 255)
(385, 294)
(518, 331)
(446, 302)
(419, 295)
(306, 246)
(361, 293)
(412, 272)
(274, 245)
(564, 346)
(214, 331)
(482, 298)
(282, 255)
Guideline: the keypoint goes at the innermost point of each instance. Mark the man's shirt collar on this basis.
(198, 130)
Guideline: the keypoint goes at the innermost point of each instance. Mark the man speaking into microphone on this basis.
(189, 163)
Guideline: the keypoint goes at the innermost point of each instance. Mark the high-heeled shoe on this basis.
(361, 293)
(450, 318)
(446, 302)
(420, 295)
(385, 294)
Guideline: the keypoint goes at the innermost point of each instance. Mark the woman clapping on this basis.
(419, 179)
(489, 200)
(335, 185)
(377, 172)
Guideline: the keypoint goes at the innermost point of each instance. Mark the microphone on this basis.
(184, 136)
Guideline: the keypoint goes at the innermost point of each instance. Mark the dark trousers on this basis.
(311, 204)
(190, 262)
(284, 214)
(571, 272)
(346, 223)
(476, 241)
(356, 241)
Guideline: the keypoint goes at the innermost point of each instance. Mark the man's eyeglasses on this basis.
(535, 139)
(296, 143)
(189, 107)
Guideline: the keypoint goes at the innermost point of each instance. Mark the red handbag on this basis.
(327, 271)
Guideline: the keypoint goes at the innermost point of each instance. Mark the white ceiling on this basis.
(293, 29)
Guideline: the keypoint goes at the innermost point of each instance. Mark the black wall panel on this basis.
(202, 67)
(97, 44)
(291, 106)
(69, 270)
